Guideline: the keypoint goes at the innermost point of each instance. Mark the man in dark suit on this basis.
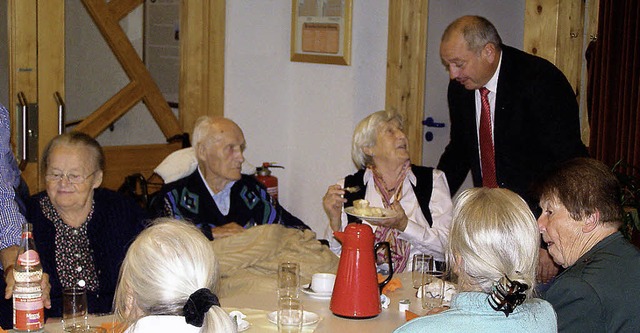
(533, 124)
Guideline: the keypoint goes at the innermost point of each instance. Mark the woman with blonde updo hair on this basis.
(168, 282)
(493, 249)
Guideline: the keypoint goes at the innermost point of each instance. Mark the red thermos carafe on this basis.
(356, 292)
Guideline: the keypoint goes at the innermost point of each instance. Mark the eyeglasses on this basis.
(71, 178)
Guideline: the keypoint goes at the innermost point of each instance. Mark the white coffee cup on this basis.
(323, 282)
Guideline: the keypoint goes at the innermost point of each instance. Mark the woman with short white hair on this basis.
(168, 282)
(386, 178)
(581, 216)
(493, 249)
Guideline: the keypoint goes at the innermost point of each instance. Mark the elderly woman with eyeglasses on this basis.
(82, 232)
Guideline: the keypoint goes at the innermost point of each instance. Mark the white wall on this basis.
(301, 115)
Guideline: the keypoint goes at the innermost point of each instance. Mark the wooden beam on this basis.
(111, 110)
(121, 8)
(216, 42)
(406, 65)
(202, 39)
(133, 66)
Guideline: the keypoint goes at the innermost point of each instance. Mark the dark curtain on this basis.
(613, 88)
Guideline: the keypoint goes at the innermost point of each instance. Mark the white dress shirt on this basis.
(492, 86)
(222, 198)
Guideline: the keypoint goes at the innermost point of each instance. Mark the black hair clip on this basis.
(507, 295)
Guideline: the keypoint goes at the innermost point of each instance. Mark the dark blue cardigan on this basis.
(116, 221)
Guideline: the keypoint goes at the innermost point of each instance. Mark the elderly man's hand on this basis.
(547, 269)
(227, 230)
(332, 202)
(44, 284)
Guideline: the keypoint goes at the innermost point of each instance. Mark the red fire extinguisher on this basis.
(263, 174)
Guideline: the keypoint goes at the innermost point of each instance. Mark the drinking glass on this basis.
(288, 279)
(89, 329)
(421, 263)
(74, 308)
(432, 289)
(290, 315)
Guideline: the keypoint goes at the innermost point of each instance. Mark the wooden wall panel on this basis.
(23, 76)
(50, 72)
(541, 28)
(123, 161)
(406, 61)
(570, 36)
(554, 30)
(202, 39)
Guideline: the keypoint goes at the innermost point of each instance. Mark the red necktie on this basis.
(487, 154)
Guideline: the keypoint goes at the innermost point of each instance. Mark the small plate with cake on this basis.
(363, 211)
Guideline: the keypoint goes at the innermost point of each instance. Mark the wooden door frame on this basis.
(34, 68)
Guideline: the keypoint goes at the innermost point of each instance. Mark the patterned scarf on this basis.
(400, 248)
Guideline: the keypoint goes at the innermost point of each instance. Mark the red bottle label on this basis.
(28, 312)
(28, 258)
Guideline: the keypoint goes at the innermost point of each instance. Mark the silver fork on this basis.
(352, 189)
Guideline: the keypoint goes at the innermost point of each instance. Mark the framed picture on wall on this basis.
(321, 31)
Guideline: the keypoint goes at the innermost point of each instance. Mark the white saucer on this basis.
(243, 326)
(307, 290)
(310, 318)
(386, 214)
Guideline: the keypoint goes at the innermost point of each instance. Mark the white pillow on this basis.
(183, 162)
(177, 165)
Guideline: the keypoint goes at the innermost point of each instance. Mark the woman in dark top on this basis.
(581, 213)
(82, 232)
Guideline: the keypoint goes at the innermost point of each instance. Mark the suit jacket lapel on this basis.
(507, 88)
(468, 99)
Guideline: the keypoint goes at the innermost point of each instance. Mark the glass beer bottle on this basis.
(28, 308)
